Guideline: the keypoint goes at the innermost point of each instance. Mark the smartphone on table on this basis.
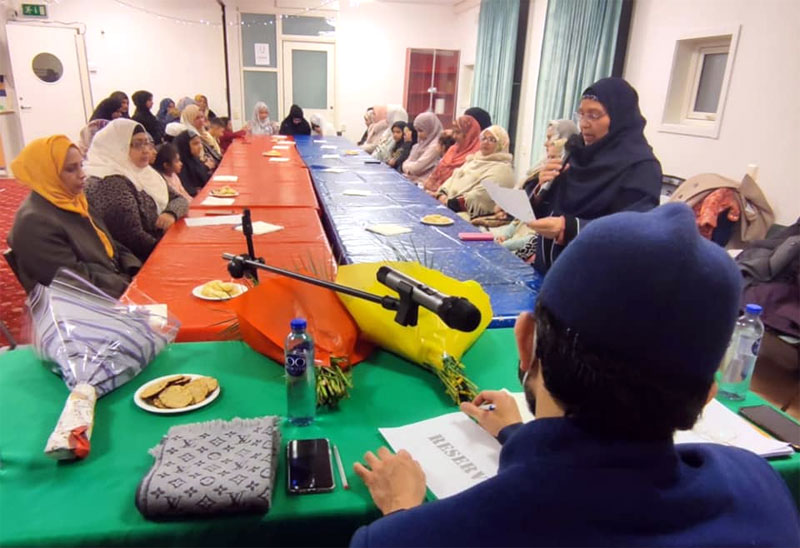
(780, 426)
(309, 466)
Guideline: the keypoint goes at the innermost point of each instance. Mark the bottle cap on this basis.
(298, 324)
(754, 309)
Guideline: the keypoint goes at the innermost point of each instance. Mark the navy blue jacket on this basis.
(558, 486)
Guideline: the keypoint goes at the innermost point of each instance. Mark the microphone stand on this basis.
(247, 265)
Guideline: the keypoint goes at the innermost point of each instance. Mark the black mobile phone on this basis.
(309, 467)
(780, 426)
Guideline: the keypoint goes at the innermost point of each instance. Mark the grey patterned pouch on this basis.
(211, 468)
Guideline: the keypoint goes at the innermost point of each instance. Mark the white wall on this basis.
(371, 42)
(761, 117)
(465, 39)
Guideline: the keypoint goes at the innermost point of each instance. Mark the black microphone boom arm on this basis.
(407, 309)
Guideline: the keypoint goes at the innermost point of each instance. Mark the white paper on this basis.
(280, 147)
(261, 227)
(278, 159)
(212, 220)
(388, 229)
(355, 192)
(718, 424)
(320, 141)
(225, 178)
(330, 156)
(334, 170)
(329, 147)
(454, 452)
(214, 201)
(262, 53)
(512, 201)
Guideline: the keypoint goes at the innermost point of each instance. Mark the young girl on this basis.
(194, 174)
(386, 150)
(168, 164)
(222, 130)
(404, 148)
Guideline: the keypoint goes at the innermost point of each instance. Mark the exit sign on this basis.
(34, 10)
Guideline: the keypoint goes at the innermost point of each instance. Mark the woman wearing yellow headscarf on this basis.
(464, 190)
(54, 227)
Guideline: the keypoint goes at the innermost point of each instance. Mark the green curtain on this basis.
(494, 59)
(580, 38)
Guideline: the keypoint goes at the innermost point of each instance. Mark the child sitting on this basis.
(168, 164)
(222, 131)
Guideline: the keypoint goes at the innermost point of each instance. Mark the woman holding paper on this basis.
(464, 190)
(134, 201)
(611, 169)
(55, 227)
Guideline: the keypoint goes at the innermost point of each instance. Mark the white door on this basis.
(48, 79)
(308, 79)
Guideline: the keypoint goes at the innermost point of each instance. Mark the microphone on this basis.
(456, 312)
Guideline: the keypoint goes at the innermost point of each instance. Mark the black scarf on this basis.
(194, 174)
(596, 172)
(288, 127)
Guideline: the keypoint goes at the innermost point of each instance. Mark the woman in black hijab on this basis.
(295, 124)
(194, 175)
(144, 102)
(108, 109)
(122, 97)
(481, 116)
(610, 168)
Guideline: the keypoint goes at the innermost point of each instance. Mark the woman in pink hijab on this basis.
(425, 154)
(377, 126)
(466, 132)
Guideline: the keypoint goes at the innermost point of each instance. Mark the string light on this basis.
(161, 16)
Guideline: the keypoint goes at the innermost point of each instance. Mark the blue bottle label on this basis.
(296, 364)
(756, 347)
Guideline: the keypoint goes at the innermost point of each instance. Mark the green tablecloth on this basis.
(92, 502)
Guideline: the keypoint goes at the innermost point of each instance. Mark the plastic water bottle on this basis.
(740, 359)
(301, 392)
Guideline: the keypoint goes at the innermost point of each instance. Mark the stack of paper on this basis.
(388, 229)
(212, 201)
(226, 178)
(213, 220)
(261, 227)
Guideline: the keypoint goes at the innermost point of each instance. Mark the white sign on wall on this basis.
(262, 54)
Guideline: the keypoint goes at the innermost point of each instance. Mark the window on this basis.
(701, 69)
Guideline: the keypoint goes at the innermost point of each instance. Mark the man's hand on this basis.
(395, 482)
(164, 221)
(505, 412)
(549, 227)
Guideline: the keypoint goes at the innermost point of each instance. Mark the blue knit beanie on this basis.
(649, 289)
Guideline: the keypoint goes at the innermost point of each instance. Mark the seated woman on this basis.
(294, 123)
(320, 127)
(55, 227)
(193, 119)
(261, 124)
(466, 133)
(88, 133)
(202, 102)
(184, 102)
(388, 141)
(517, 236)
(169, 165)
(134, 201)
(463, 191)
(425, 154)
(404, 150)
(376, 127)
(167, 112)
(144, 102)
(613, 169)
(122, 97)
(108, 109)
(195, 174)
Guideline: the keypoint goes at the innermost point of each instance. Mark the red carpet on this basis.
(12, 296)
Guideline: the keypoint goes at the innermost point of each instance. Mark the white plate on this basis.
(197, 293)
(214, 193)
(153, 409)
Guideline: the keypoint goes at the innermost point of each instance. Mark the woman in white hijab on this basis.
(194, 120)
(394, 113)
(425, 154)
(135, 203)
(464, 190)
(261, 124)
(320, 127)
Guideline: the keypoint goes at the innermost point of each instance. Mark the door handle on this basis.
(22, 107)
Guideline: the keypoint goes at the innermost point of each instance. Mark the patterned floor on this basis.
(12, 296)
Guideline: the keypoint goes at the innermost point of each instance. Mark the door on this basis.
(308, 78)
(47, 65)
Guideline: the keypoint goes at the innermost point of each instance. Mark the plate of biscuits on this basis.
(177, 393)
(217, 290)
(436, 220)
(224, 192)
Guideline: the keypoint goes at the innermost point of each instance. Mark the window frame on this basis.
(689, 113)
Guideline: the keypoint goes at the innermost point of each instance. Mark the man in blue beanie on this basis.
(629, 328)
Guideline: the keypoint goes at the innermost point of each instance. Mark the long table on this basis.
(91, 502)
(342, 178)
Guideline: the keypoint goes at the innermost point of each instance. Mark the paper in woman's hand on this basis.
(515, 202)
